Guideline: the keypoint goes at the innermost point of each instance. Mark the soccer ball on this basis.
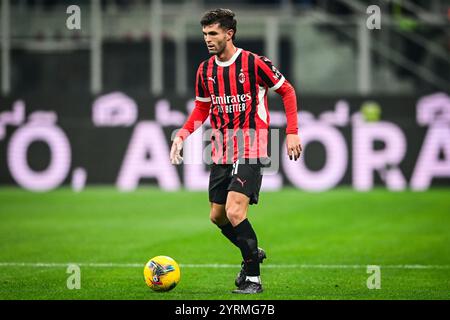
(162, 273)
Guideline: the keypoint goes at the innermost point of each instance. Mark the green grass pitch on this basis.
(318, 244)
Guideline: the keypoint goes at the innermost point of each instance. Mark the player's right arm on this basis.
(195, 119)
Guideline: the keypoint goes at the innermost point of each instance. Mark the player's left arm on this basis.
(269, 76)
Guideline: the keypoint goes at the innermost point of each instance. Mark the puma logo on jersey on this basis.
(241, 182)
(213, 79)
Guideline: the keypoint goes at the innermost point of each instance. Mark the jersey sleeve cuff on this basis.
(292, 131)
(183, 133)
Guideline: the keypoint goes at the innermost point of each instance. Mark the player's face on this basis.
(215, 38)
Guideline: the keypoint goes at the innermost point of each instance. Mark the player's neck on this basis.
(227, 53)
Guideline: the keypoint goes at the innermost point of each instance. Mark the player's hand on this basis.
(294, 146)
(175, 152)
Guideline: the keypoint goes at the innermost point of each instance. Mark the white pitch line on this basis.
(207, 265)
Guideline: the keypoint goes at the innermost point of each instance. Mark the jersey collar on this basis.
(229, 62)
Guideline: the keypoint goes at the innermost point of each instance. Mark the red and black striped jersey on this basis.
(234, 95)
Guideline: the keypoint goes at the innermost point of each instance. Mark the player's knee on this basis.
(217, 216)
(235, 213)
(214, 219)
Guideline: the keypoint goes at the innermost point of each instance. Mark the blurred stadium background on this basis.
(88, 113)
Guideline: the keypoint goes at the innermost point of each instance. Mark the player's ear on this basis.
(230, 33)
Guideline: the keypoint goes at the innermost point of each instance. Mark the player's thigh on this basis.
(218, 214)
(236, 207)
(246, 179)
(219, 179)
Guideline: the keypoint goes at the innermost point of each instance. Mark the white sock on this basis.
(255, 279)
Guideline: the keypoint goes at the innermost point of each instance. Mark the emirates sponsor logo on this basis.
(232, 103)
(231, 99)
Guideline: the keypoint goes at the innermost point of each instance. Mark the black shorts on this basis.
(243, 178)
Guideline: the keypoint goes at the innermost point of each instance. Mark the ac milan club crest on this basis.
(241, 77)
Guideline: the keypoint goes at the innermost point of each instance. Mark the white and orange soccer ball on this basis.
(162, 273)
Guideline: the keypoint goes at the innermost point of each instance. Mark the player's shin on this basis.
(228, 231)
(248, 243)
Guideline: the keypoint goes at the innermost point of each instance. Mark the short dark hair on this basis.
(224, 17)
